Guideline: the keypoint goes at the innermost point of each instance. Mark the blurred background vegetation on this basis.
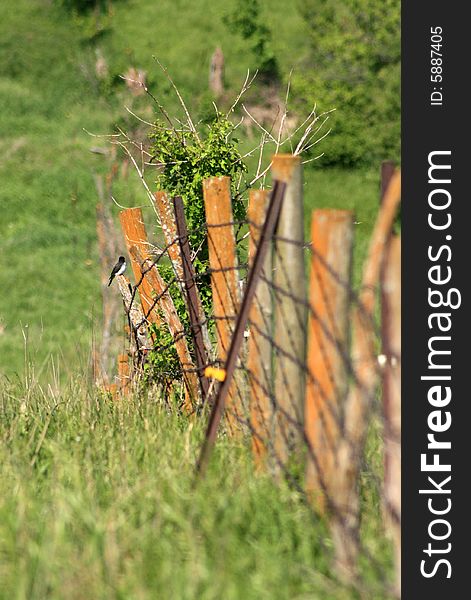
(61, 67)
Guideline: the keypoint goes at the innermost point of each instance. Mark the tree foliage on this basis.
(245, 19)
(354, 67)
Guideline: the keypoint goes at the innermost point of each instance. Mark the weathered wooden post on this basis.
(290, 309)
(224, 280)
(123, 373)
(259, 347)
(134, 231)
(216, 73)
(391, 334)
(108, 252)
(391, 380)
(164, 302)
(345, 519)
(137, 321)
(328, 346)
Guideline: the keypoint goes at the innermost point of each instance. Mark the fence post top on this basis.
(332, 214)
(221, 179)
(284, 166)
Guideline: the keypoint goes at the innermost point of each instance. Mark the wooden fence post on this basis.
(123, 373)
(135, 234)
(290, 309)
(224, 280)
(387, 171)
(328, 346)
(163, 300)
(137, 322)
(345, 519)
(391, 334)
(259, 346)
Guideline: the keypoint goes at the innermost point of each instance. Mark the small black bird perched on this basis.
(118, 269)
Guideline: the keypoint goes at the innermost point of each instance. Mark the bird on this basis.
(118, 269)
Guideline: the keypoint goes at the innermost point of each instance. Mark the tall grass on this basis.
(97, 500)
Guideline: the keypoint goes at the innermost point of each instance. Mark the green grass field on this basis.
(96, 497)
(97, 501)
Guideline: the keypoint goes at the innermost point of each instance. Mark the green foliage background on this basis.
(353, 65)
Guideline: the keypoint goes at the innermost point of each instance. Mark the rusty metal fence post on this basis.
(172, 220)
(193, 301)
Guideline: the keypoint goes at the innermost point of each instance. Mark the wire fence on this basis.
(266, 329)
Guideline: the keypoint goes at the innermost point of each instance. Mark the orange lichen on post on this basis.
(112, 389)
(284, 167)
(326, 387)
(164, 302)
(134, 232)
(259, 346)
(123, 373)
(224, 278)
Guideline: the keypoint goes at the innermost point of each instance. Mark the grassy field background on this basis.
(49, 94)
(96, 497)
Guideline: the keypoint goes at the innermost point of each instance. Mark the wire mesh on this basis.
(324, 437)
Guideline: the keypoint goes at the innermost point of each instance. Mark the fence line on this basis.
(294, 375)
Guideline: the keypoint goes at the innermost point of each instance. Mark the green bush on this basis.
(353, 65)
(186, 159)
